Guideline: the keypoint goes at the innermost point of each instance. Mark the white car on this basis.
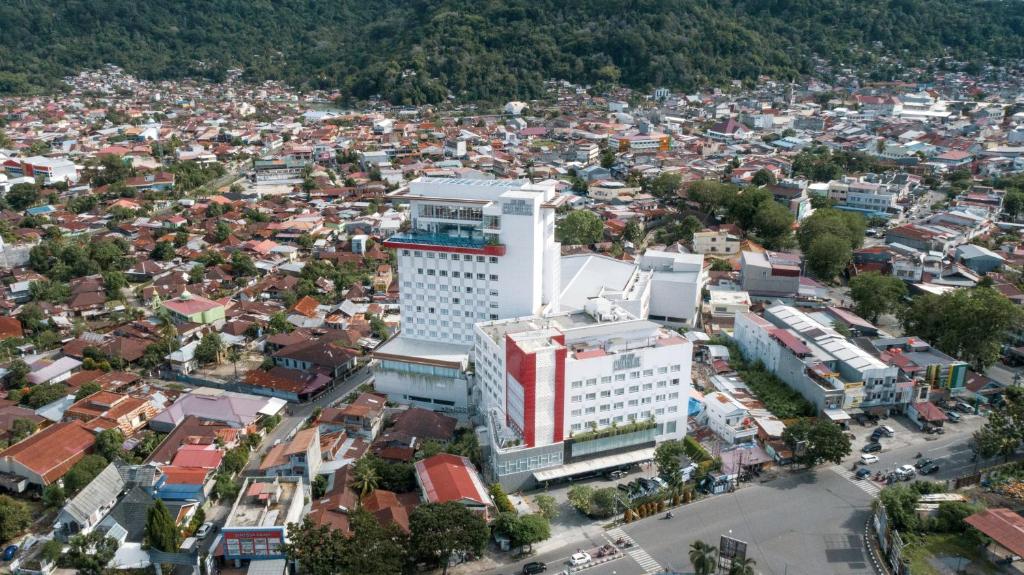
(868, 459)
(906, 472)
(579, 559)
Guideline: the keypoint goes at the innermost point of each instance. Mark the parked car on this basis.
(579, 559)
(615, 474)
(868, 459)
(924, 461)
(964, 407)
(204, 530)
(662, 484)
(9, 552)
(534, 567)
(623, 487)
(872, 447)
(886, 431)
(929, 469)
(863, 473)
(953, 416)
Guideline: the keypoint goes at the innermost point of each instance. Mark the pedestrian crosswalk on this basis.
(646, 562)
(643, 558)
(866, 485)
(616, 534)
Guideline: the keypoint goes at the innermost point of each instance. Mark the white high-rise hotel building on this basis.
(476, 250)
(494, 326)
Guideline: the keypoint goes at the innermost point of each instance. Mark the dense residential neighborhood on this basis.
(246, 329)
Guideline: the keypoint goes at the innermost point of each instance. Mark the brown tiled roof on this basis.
(53, 451)
(191, 431)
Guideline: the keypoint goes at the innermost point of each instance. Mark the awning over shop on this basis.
(595, 464)
(837, 415)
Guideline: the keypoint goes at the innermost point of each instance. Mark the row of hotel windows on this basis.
(444, 322)
(618, 405)
(455, 257)
(622, 391)
(632, 375)
(667, 427)
(447, 335)
(444, 287)
(467, 275)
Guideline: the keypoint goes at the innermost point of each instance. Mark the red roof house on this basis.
(446, 477)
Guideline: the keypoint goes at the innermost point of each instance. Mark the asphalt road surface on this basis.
(806, 523)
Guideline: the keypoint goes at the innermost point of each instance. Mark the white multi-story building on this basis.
(578, 392)
(728, 418)
(476, 250)
(829, 370)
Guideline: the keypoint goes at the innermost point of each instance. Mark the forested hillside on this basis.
(415, 51)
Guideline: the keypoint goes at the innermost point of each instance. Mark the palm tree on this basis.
(365, 477)
(234, 354)
(742, 567)
(704, 558)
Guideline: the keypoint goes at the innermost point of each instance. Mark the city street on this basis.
(299, 412)
(799, 523)
(805, 523)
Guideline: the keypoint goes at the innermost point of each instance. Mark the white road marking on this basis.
(866, 485)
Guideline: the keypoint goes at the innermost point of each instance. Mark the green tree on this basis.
(161, 530)
(87, 389)
(22, 196)
(744, 206)
(15, 518)
(279, 323)
(209, 348)
(720, 265)
(164, 252)
(221, 232)
(665, 185)
(242, 265)
(666, 459)
(828, 221)
(18, 369)
(440, 530)
(580, 227)
(581, 498)
(773, 224)
(197, 274)
(547, 505)
(89, 554)
(113, 282)
(828, 256)
(607, 158)
(83, 472)
(633, 232)
(605, 502)
(743, 566)
(1013, 203)
(817, 441)
(950, 323)
(319, 486)
(703, 557)
(53, 496)
(710, 195)
(109, 444)
(763, 177)
(364, 477)
(522, 531)
(317, 548)
(1003, 433)
(235, 460)
(874, 294)
(21, 428)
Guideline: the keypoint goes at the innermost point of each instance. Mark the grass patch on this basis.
(920, 548)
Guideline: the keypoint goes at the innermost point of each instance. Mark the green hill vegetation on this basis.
(417, 51)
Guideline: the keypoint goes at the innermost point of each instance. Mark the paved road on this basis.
(805, 523)
(299, 412)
